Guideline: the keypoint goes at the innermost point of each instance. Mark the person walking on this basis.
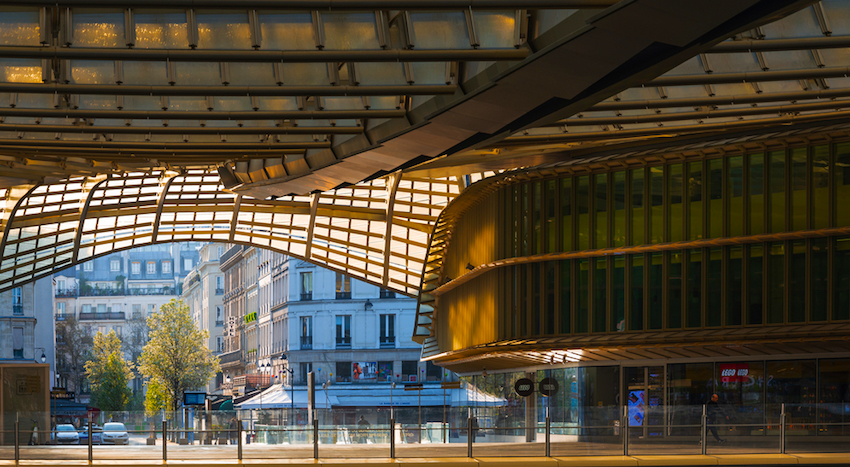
(234, 430)
(713, 413)
(363, 426)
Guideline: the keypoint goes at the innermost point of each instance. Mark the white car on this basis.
(114, 433)
(66, 434)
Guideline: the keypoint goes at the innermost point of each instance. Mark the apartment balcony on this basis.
(102, 316)
(387, 294)
(156, 291)
(252, 381)
(343, 342)
(219, 323)
(343, 295)
(388, 342)
(101, 292)
(59, 317)
(18, 309)
(306, 297)
(306, 342)
(66, 293)
(219, 291)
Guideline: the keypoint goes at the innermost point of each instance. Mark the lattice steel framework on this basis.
(376, 230)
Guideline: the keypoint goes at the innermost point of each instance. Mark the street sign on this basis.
(548, 387)
(450, 385)
(524, 387)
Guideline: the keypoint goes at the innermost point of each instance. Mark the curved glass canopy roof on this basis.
(338, 130)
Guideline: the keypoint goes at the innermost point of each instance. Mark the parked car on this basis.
(115, 433)
(96, 435)
(65, 434)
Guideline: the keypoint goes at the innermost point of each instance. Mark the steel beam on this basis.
(340, 5)
(311, 227)
(285, 56)
(750, 77)
(721, 100)
(90, 186)
(203, 115)
(779, 45)
(392, 188)
(176, 130)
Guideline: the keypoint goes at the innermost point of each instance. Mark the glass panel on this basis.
(674, 290)
(581, 314)
(618, 297)
(619, 218)
(656, 211)
(793, 383)
(19, 26)
(715, 198)
(551, 220)
(756, 194)
(799, 174)
(98, 28)
(522, 309)
(583, 208)
(676, 211)
(694, 294)
(741, 393)
(601, 208)
(776, 284)
(535, 309)
(549, 306)
(736, 196)
(714, 282)
(600, 294)
(223, 30)
(834, 395)
(638, 217)
(566, 266)
(656, 297)
(636, 294)
(695, 209)
(841, 284)
(160, 29)
(777, 210)
(797, 301)
(820, 187)
(734, 289)
(820, 279)
(536, 218)
(842, 181)
(754, 284)
(566, 215)
(525, 203)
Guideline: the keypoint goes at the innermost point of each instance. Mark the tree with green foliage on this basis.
(156, 398)
(176, 358)
(109, 373)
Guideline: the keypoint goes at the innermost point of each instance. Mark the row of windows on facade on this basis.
(342, 288)
(136, 266)
(102, 308)
(374, 372)
(765, 283)
(788, 190)
(342, 329)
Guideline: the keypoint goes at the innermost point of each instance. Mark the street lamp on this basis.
(43, 357)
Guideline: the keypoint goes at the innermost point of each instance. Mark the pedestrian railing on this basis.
(479, 432)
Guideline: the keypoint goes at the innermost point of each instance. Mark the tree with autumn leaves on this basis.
(175, 359)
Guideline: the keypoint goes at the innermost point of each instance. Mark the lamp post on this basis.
(43, 357)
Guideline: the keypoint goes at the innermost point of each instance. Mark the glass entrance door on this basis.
(644, 396)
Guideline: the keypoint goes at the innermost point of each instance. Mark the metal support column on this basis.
(548, 434)
(624, 425)
(469, 434)
(164, 440)
(703, 426)
(782, 430)
(315, 438)
(239, 440)
(91, 436)
(17, 441)
(392, 438)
